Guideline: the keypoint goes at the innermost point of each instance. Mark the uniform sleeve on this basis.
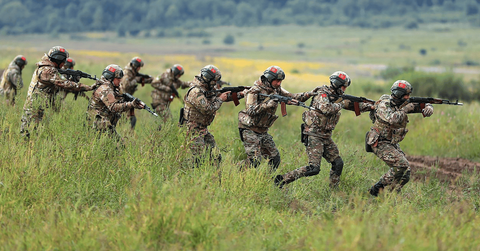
(50, 76)
(197, 99)
(113, 103)
(323, 104)
(16, 80)
(302, 97)
(364, 107)
(253, 106)
(160, 85)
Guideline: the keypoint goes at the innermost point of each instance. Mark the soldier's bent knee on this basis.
(312, 170)
(337, 166)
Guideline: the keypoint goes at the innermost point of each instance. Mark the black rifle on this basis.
(143, 76)
(422, 101)
(234, 90)
(75, 76)
(128, 97)
(175, 92)
(356, 100)
(283, 101)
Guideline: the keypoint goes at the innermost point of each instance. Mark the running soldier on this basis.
(317, 130)
(259, 115)
(165, 89)
(45, 84)
(389, 128)
(107, 104)
(130, 80)
(11, 80)
(200, 108)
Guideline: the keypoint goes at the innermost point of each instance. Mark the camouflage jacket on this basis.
(11, 79)
(130, 80)
(389, 121)
(200, 107)
(162, 91)
(106, 105)
(257, 116)
(46, 82)
(327, 111)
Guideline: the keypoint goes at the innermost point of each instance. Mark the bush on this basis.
(229, 39)
(391, 72)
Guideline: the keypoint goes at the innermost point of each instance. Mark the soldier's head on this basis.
(136, 63)
(274, 76)
(69, 64)
(20, 60)
(210, 75)
(113, 73)
(58, 55)
(177, 71)
(339, 81)
(401, 91)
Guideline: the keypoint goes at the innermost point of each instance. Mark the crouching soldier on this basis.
(201, 105)
(107, 104)
(389, 128)
(318, 127)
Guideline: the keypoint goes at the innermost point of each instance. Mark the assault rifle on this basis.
(422, 101)
(175, 92)
(234, 90)
(128, 97)
(283, 102)
(143, 76)
(75, 76)
(356, 101)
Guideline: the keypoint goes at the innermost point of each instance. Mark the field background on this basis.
(65, 189)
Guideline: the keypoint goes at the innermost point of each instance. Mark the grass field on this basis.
(66, 189)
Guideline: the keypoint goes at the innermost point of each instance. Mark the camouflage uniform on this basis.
(129, 84)
(198, 113)
(317, 135)
(388, 130)
(46, 82)
(11, 82)
(105, 107)
(255, 120)
(162, 94)
(62, 94)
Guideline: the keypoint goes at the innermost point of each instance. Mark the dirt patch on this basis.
(447, 169)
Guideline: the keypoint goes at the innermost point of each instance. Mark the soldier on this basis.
(389, 128)
(200, 109)
(12, 81)
(259, 115)
(130, 80)
(107, 104)
(317, 130)
(165, 88)
(46, 82)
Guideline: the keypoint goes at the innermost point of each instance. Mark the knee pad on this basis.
(133, 121)
(337, 166)
(312, 170)
(405, 178)
(274, 162)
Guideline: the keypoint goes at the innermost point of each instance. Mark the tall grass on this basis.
(68, 188)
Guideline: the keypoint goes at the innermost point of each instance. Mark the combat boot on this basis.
(279, 181)
(334, 181)
(375, 189)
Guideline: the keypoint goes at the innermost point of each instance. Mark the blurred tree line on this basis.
(132, 17)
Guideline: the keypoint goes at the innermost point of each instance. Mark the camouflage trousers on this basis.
(317, 146)
(29, 116)
(258, 145)
(9, 97)
(201, 142)
(394, 157)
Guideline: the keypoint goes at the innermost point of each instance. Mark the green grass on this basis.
(67, 189)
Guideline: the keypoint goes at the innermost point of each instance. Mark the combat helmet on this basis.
(58, 54)
(210, 73)
(137, 62)
(177, 70)
(339, 79)
(112, 71)
(20, 60)
(69, 64)
(401, 88)
(273, 73)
